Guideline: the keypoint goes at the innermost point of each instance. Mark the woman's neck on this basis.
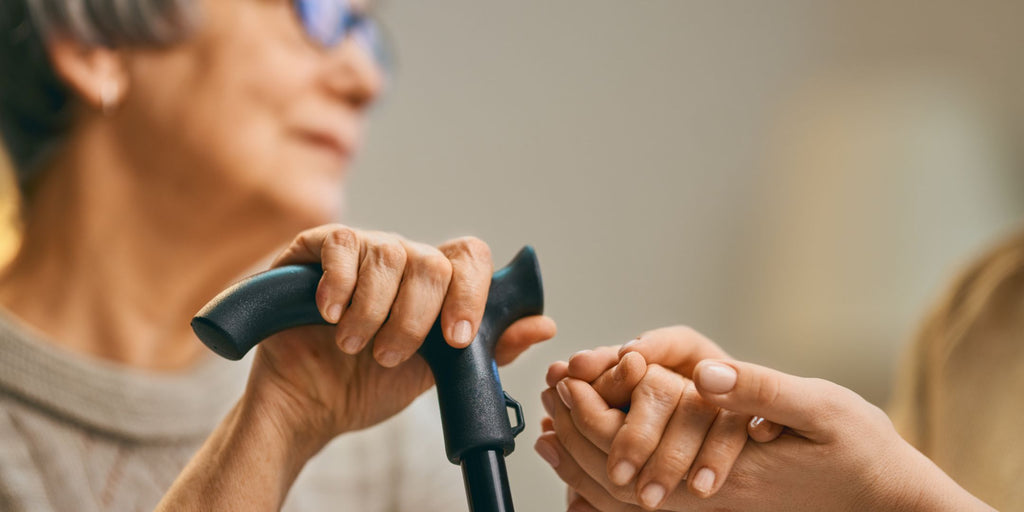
(109, 270)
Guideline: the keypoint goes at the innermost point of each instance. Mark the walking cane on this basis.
(474, 408)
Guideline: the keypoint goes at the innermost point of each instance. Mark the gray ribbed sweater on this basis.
(83, 435)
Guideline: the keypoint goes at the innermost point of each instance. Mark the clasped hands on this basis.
(670, 422)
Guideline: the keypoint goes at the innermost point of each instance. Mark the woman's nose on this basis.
(353, 74)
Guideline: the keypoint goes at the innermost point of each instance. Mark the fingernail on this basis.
(622, 473)
(389, 359)
(717, 378)
(652, 495)
(462, 333)
(756, 421)
(548, 401)
(704, 480)
(563, 392)
(546, 452)
(351, 344)
(333, 313)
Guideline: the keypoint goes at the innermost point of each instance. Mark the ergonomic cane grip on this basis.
(257, 307)
(474, 408)
(473, 405)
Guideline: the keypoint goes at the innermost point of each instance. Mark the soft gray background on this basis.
(795, 179)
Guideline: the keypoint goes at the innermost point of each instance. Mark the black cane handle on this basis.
(474, 408)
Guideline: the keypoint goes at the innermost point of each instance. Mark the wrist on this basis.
(915, 484)
(278, 419)
(248, 463)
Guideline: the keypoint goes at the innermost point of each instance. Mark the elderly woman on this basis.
(163, 149)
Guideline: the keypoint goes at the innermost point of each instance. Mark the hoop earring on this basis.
(110, 96)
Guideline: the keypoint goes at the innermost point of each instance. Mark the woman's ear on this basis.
(96, 74)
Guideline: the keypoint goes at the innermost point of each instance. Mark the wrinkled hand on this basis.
(837, 452)
(668, 434)
(383, 294)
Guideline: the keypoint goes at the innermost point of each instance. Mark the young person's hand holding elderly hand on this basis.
(835, 452)
(643, 467)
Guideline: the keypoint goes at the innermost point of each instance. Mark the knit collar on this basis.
(112, 398)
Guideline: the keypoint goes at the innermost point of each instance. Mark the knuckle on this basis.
(436, 266)
(836, 404)
(690, 400)
(721, 450)
(636, 443)
(831, 399)
(391, 255)
(408, 329)
(672, 462)
(343, 237)
(371, 315)
(589, 423)
(878, 417)
(470, 247)
(659, 388)
(767, 391)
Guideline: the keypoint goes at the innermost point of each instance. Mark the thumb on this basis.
(809, 406)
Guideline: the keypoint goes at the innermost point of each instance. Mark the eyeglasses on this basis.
(329, 22)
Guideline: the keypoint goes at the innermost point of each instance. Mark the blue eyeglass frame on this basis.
(330, 22)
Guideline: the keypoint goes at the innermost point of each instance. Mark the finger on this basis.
(809, 406)
(521, 335)
(721, 448)
(590, 458)
(420, 295)
(677, 447)
(616, 385)
(547, 424)
(588, 365)
(762, 430)
(380, 274)
(652, 405)
(306, 246)
(594, 419)
(556, 372)
(679, 348)
(467, 295)
(582, 484)
(336, 248)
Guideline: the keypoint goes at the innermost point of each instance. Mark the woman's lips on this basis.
(329, 141)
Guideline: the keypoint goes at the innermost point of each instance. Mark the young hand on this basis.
(838, 451)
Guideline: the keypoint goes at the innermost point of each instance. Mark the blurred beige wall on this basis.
(797, 179)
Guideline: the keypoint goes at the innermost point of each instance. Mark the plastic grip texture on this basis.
(474, 408)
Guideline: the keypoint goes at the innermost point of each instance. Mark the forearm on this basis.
(248, 463)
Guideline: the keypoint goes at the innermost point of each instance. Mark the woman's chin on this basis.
(301, 190)
(312, 206)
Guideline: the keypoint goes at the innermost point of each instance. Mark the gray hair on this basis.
(34, 102)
